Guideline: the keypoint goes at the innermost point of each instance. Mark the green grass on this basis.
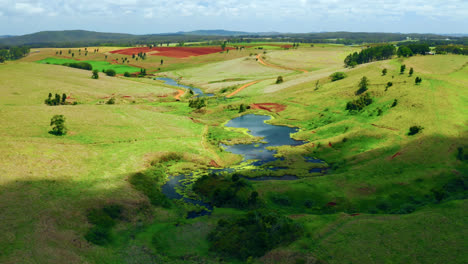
(97, 65)
(59, 179)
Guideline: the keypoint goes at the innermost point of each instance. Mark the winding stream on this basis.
(172, 82)
(255, 154)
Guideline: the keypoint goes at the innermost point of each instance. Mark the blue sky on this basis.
(144, 16)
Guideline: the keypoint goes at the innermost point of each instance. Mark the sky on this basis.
(18, 17)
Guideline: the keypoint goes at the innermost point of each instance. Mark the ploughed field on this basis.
(96, 194)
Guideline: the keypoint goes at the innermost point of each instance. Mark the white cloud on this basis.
(28, 8)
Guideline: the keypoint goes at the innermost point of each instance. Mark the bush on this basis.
(363, 83)
(127, 74)
(359, 104)
(415, 130)
(197, 103)
(279, 79)
(418, 80)
(79, 65)
(95, 74)
(110, 72)
(111, 101)
(395, 102)
(253, 234)
(337, 76)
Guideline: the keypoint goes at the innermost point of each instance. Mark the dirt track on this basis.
(277, 66)
(270, 107)
(180, 93)
(242, 88)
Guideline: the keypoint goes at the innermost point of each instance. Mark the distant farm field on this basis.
(174, 52)
(97, 65)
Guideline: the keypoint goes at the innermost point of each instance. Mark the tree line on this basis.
(370, 54)
(459, 49)
(13, 53)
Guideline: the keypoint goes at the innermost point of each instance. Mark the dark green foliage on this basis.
(370, 54)
(242, 108)
(357, 105)
(418, 80)
(362, 85)
(58, 125)
(13, 53)
(384, 72)
(461, 155)
(162, 61)
(455, 188)
(337, 76)
(415, 130)
(253, 234)
(103, 219)
(395, 102)
(95, 74)
(197, 103)
(454, 49)
(149, 183)
(389, 84)
(79, 65)
(57, 100)
(142, 73)
(226, 191)
(404, 51)
(127, 74)
(110, 72)
(411, 71)
(279, 79)
(402, 68)
(111, 101)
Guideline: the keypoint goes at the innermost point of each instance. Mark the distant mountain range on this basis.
(69, 38)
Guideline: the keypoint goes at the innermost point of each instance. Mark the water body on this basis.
(273, 136)
(172, 82)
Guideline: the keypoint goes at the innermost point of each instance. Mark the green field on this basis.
(97, 65)
(387, 197)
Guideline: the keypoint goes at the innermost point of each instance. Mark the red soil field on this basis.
(270, 107)
(173, 52)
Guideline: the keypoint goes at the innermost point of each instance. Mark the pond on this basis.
(255, 154)
(172, 82)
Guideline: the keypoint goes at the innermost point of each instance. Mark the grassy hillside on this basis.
(387, 197)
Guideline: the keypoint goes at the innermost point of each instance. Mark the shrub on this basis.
(95, 74)
(110, 72)
(242, 108)
(414, 130)
(79, 65)
(395, 102)
(337, 76)
(197, 103)
(359, 104)
(279, 79)
(418, 80)
(363, 83)
(127, 74)
(253, 234)
(384, 72)
(111, 101)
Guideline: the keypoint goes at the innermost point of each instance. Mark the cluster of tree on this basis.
(142, 72)
(459, 49)
(337, 76)
(79, 65)
(226, 191)
(13, 53)
(197, 103)
(253, 234)
(412, 49)
(359, 104)
(57, 100)
(363, 84)
(370, 54)
(58, 125)
(141, 55)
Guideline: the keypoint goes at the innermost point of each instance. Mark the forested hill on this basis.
(70, 38)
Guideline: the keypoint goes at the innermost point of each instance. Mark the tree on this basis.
(241, 108)
(362, 85)
(162, 61)
(384, 72)
(127, 74)
(110, 72)
(58, 125)
(337, 76)
(414, 130)
(279, 79)
(418, 80)
(95, 74)
(2, 60)
(73, 55)
(64, 98)
(404, 51)
(411, 71)
(402, 68)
